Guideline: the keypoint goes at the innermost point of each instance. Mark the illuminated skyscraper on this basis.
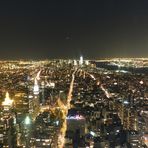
(75, 63)
(34, 102)
(81, 60)
(36, 87)
(7, 119)
(7, 103)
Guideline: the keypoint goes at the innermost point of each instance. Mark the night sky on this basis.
(69, 28)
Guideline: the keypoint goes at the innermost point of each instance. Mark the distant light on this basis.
(1, 135)
(77, 117)
(122, 71)
(43, 84)
(141, 82)
(115, 83)
(87, 62)
(38, 140)
(126, 102)
(57, 123)
(14, 121)
(30, 96)
(52, 84)
(92, 133)
(27, 120)
(75, 63)
(46, 140)
(92, 76)
(108, 77)
(81, 60)
(91, 105)
(7, 101)
(36, 87)
(98, 83)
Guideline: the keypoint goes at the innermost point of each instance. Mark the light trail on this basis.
(61, 137)
(64, 108)
(108, 95)
(92, 76)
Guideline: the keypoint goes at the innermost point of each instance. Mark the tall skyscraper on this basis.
(81, 60)
(7, 121)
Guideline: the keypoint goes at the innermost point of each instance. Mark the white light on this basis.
(87, 62)
(75, 63)
(52, 84)
(7, 101)
(126, 102)
(57, 123)
(141, 82)
(36, 87)
(30, 96)
(77, 117)
(92, 133)
(46, 140)
(37, 139)
(27, 120)
(14, 121)
(115, 83)
(81, 60)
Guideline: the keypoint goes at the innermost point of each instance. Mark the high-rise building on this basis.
(36, 87)
(75, 123)
(81, 60)
(34, 103)
(7, 117)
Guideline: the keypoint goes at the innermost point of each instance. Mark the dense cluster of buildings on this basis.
(70, 103)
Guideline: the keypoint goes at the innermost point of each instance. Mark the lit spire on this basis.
(81, 60)
(7, 101)
(36, 87)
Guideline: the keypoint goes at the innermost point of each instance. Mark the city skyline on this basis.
(74, 74)
(74, 103)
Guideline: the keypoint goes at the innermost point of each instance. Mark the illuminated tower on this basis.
(7, 122)
(75, 63)
(86, 62)
(81, 60)
(7, 103)
(36, 87)
(35, 100)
